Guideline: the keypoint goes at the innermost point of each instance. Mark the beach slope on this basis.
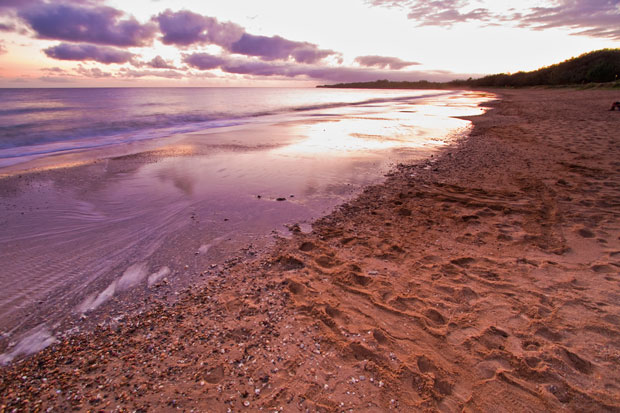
(483, 280)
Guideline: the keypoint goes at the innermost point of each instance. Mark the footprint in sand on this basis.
(602, 268)
(289, 263)
(550, 335)
(326, 261)
(530, 345)
(585, 233)
(307, 247)
(580, 364)
(435, 316)
(532, 362)
(426, 365)
(463, 262)
(295, 287)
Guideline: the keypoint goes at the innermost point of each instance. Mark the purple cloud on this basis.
(16, 4)
(258, 68)
(77, 23)
(12, 26)
(127, 73)
(81, 52)
(185, 28)
(158, 62)
(93, 72)
(204, 61)
(167, 74)
(9, 6)
(55, 79)
(383, 62)
(276, 47)
(596, 18)
(7, 27)
(327, 73)
(437, 12)
(312, 54)
(55, 69)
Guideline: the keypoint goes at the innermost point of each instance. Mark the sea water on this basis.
(135, 187)
(39, 122)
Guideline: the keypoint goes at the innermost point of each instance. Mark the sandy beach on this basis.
(486, 279)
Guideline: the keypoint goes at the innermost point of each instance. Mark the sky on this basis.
(99, 43)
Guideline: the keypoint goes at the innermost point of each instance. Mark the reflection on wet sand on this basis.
(111, 230)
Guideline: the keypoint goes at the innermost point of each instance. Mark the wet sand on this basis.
(486, 279)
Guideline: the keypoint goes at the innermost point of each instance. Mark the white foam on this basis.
(132, 276)
(204, 248)
(156, 276)
(93, 301)
(36, 340)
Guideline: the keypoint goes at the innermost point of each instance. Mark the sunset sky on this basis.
(66, 43)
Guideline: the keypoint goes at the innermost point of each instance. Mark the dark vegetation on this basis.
(598, 67)
(387, 84)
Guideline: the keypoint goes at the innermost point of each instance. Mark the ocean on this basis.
(105, 194)
(40, 122)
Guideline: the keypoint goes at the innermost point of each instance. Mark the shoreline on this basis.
(485, 277)
(87, 244)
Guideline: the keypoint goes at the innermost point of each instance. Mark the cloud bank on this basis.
(383, 62)
(81, 52)
(185, 28)
(204, 61)
(7, 27)
(438, 12)
(90, 31)
(278, 48)
(89, 24)
(595, 18)
(158, 62)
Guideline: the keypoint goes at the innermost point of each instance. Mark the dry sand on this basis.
(486, 281)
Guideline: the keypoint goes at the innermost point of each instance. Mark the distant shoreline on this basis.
(386, 84)
(598, 69)
(424, 85)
